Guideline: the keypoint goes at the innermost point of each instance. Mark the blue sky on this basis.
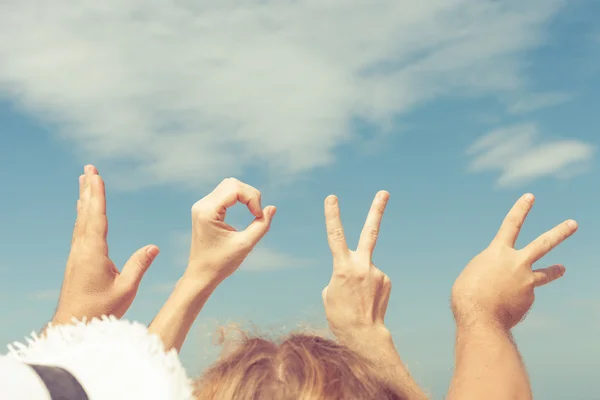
(456, 108)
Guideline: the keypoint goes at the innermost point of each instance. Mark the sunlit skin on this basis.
(92, 285)
(217, 250)
(357, 297)
(492, 295)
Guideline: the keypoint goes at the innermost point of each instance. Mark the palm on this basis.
(93, 286)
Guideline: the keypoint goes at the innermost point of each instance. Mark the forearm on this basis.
(175, 319)
(379, 348)
(488, 366)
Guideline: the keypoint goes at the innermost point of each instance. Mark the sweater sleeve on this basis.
(111, 359)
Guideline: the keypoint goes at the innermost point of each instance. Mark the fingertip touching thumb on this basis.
(138, 263)
(260, 226)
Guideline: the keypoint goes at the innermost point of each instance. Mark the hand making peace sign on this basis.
(357, 295)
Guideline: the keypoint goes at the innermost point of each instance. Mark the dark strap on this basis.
(60, 383)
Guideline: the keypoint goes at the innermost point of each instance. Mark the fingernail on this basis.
(528, 197)
(561, 270)
(272, 210)
(382, 195)
(572, 224)
(331, 200)
(152, 251)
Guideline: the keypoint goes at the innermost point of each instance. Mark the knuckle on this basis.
(514, 221)
(230, 183)
(387, 282)
(373, 233)
(379, 207)
(336, 234)
(199, 209)
(196, 207)
(361, 275)
(546, 243)
(233, 181)
(530, 282)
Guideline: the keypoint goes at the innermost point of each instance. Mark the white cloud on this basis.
(533, 102)
(520, 155)
(45, 294)
(262, 258)
(188, 92)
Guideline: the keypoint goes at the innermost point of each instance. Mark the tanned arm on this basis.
(175, 319)
(383, 353)
(488, 365)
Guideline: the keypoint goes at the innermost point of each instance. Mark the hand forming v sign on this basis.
(217, 249)
(357, 295)
(92, 285)
(498, 285)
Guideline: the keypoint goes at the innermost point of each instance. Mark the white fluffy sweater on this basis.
(112, 360)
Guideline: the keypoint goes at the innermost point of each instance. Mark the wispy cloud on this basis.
(262, 258)
(521, 155)
(532, 102)
(188, 92)
(46, 294)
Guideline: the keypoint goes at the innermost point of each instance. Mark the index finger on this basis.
(83, 201)
(370, 231)
(231, 191)
(79, 228)
(97, 223)
(335, 230)
(511, 226)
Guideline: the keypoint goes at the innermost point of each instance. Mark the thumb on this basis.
(138, 264)
(546, 275)
(259, 227)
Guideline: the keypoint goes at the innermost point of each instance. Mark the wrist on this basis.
(481, 322)
(197, 284)
(366, 340)
(193, 292)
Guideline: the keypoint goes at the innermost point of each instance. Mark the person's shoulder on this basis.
(111, 358)
(19, 382)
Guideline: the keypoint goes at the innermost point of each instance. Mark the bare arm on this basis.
(488, 366)
(357, 297)
(489, 298)
(175, 319)
(217, 250)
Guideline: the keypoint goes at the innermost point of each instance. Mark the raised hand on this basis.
(357, 295)
(498, 285)
(217, 249)
(92, 285)
(492, 294)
